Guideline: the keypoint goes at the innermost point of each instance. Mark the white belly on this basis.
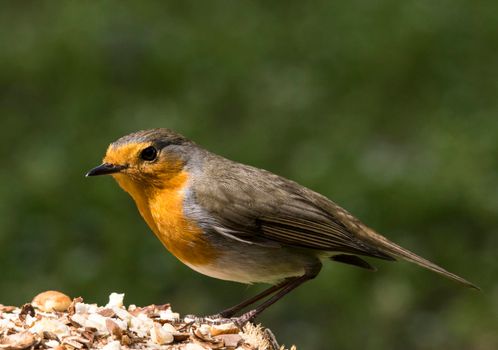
(255, 264)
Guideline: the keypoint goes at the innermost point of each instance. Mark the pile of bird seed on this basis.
(55, 321)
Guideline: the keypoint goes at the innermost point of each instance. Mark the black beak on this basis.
(105, 169)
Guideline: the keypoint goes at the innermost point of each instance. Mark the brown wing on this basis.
(327, 236)
(255, 206)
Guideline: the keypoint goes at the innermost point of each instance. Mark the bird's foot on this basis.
(218, 319)
(241, 320)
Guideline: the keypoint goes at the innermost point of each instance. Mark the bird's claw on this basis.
(244, 318)
(218, 319)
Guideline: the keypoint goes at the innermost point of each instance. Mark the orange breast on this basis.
(181, 236)
(163, 211)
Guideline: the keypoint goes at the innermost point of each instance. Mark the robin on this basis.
(239, 223)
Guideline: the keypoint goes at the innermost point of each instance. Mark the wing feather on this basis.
(271, 211)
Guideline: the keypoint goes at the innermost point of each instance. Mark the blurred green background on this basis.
(388, 107)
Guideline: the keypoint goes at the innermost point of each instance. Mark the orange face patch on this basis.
(126, 154)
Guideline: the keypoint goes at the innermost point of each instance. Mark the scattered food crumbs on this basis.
(55, 321)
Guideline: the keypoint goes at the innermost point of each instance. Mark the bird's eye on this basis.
(148, 154)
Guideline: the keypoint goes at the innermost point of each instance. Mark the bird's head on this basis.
(149, 159)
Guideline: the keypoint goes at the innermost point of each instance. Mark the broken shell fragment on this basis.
(168, 327)
(194, 346)
(50, 326)
(226, 328)
(115, 300)
(113, 328)
(17, 341)
(113, 345)
(51, 343)
(230, 340)
(160, 336)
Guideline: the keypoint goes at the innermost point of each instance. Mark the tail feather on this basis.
(400, 252)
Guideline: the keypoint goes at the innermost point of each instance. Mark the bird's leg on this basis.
(282, 288)
(227, 313)
(309, 274)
